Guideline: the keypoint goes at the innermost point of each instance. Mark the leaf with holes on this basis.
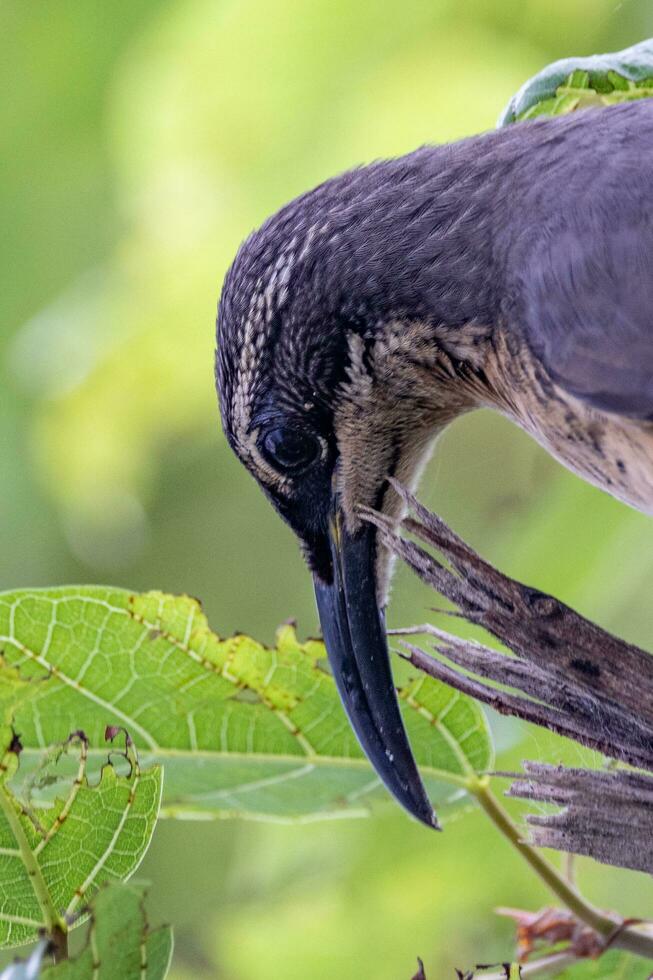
(241, 728)
(120, 943)
(53, 859)
(583, 83)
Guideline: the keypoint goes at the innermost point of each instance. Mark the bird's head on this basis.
(326, 363)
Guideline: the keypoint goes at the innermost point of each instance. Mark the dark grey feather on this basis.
(546, 226)
(580, 270)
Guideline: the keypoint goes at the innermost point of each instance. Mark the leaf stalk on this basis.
(610, 928)
(55, 924)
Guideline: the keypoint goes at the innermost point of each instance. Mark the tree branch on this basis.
(564, 673)
(573, 677)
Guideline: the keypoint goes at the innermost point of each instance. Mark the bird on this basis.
(512, 270)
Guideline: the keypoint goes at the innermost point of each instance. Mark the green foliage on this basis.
(581, 83)
(582, 91)
(143, 138)
(53, 859)
(122, 356)
(612, 966)
(121, 945)
(241, 728)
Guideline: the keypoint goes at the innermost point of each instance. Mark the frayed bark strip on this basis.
(605, 815)
(571, 676)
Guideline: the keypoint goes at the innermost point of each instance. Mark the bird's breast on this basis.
(610, 451)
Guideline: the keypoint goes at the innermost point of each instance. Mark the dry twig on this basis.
(578, 679)
(605, 815)
(565, 674)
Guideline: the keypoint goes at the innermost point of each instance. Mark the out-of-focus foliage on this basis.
(612, 966)
(240, 728)
(120, 943)
(55, 858)
(141, 140)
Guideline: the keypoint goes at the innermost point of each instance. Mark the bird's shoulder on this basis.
(579, 268)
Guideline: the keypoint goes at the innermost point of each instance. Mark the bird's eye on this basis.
(289, 449)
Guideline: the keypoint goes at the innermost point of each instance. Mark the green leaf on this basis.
(241, 728)
(579, 83)
(120, 945)
(579, 79)
(52, 860)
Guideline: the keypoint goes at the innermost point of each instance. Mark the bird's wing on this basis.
(586, 298)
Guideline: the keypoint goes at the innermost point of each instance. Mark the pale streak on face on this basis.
(245, 436)
(268, 297)
(388, 419)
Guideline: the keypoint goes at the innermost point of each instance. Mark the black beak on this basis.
(354, 633)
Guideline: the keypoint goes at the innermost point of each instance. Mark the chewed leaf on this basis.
(445, 730)
(52, 860)
(241, 728)
(580, 83)
(120, 944)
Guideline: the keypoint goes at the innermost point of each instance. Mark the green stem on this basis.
(545, 871)
(56, 926)
(627, 938)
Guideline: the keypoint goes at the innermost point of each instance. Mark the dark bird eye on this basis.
(290, 449)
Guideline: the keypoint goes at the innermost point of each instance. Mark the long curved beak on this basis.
(354, 633)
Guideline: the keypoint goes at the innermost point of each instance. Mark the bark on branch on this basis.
(565, 673)
(606, 815)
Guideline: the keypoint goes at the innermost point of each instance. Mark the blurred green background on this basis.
(141, 141)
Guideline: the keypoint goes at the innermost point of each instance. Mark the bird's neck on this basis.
(413, 238)
(445, 273)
